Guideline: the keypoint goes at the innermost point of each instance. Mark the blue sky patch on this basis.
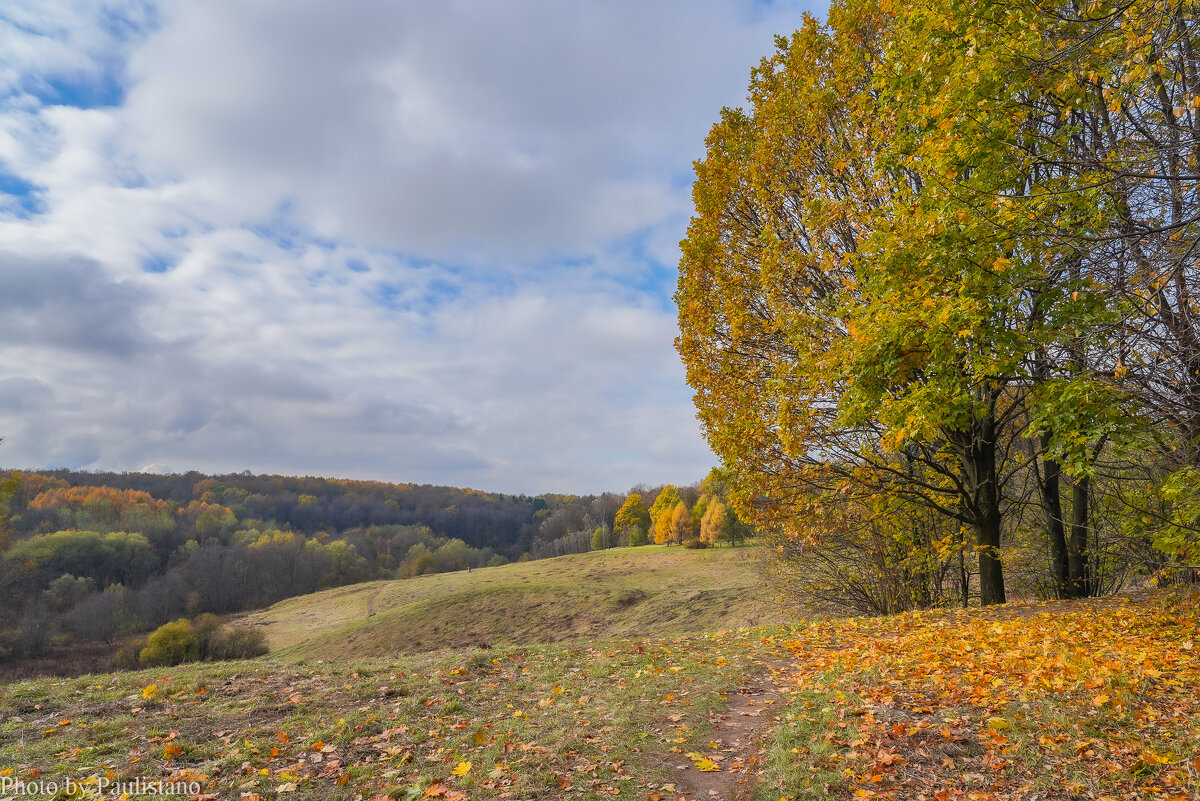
(157, 264)
(103, 93)
(18, 196)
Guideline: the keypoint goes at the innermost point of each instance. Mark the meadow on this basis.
(1061, 700)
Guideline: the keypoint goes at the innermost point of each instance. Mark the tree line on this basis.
(938, 300)
(100, 555)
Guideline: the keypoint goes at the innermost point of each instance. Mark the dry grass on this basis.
(651, 591)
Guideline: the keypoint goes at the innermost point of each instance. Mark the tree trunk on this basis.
(979, 462)
(1078, 557)
(991, 569)
(963, 578)
(1049, 486)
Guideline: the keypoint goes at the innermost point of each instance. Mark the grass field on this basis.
(649, 591)
(535, 722)
(1060, 701)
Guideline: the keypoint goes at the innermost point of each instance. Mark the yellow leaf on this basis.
(707, 765)
(150, 692)
(1100, 700)
(462, 768)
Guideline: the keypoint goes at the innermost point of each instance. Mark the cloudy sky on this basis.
(408, 240)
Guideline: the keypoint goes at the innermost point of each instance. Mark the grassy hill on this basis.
(1058, 701)
(650, 591)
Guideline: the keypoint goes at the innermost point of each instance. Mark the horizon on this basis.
(648, 487)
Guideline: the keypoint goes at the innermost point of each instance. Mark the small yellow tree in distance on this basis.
(661, 512)
(712, 526)
(682, 528)
(633, 521)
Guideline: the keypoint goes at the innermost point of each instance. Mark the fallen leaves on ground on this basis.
(1055, 701)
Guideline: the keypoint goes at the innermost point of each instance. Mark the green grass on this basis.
(1061, 699)
(407, 700)
(805, 753)
(650, 591)
(559, 721)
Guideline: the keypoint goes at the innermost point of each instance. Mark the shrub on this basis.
(695, 544)
(128, 655)
(171, 644)
(239, 642)
(208, 635)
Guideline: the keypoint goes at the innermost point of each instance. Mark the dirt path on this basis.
(741, 729)
(371, 600)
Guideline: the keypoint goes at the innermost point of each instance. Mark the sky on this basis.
(425, 241)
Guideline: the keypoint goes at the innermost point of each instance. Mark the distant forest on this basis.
(99, 555)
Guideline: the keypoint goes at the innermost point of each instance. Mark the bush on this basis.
(695, 545)
(171, 644)
(239, 642)
(203, 639)
(208, 635)
(128, 655)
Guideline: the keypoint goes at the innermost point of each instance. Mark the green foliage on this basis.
(422, 565)
(600, 539)
(638, 537)
(117, 556)
(1169, 513)
(203, 639)
(171, 644)
(892, 277)
(455, 555)
(66, 591)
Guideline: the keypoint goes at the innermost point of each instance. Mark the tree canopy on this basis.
(945, 257)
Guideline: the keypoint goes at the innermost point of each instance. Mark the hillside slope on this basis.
(1058, 701)
(646, 591)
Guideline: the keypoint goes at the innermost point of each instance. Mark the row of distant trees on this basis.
(98, 561)
(698, 515)
(671, 521)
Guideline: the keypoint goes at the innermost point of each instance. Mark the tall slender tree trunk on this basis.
(979, 462)
(964, 579)
(1078, 556)
(1049, 485)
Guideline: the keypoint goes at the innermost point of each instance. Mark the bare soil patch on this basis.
(737, 746)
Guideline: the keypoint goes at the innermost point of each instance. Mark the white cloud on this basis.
(421, 241)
